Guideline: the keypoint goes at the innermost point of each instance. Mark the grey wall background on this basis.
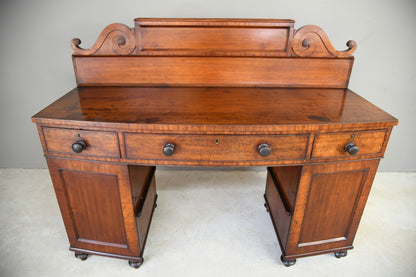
(36, 65)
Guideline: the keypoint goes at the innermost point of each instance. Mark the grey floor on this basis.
(207, 223)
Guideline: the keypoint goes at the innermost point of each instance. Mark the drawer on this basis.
(215, 147)
(333, 144)
(103, 144)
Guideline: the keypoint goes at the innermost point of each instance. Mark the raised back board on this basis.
(213, 52)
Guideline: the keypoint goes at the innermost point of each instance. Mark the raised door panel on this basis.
(329, 220)
(195, 39)
(96, 204)
(329, 204)
(94, 200)
(213, 37)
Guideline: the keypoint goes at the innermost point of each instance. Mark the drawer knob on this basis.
(78, 146)
(351, 148)
(168, 149)
(264, 149)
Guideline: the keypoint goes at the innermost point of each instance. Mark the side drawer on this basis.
(331, 145)
(215, 147)
(98, 143)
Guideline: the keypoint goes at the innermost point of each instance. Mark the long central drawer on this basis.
(215, 147)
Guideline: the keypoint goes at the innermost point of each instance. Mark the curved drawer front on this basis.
(332, 145)
(98, 143)
(215, 147)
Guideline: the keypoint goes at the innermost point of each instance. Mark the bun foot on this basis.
(341, 254)
(287, 262)
(267, 207)
(81, 256)
(136, 264)
(155, 206)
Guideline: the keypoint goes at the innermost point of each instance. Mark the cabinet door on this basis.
(95, 200)
(329, 205)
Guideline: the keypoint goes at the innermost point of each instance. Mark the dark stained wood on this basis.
(287, 262)
(212, 90)
(136, 264)
(81, 256)
(341, 254)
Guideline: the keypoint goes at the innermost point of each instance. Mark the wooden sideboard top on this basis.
(215, 106)
(229, 76)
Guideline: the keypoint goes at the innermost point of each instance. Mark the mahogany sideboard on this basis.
(218, 93)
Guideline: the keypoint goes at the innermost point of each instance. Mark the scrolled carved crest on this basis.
(115, 39)
(312, 41)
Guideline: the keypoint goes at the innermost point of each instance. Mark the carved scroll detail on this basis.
(312, 41)
(115, 39)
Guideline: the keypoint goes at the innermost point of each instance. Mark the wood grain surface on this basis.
(214, 106)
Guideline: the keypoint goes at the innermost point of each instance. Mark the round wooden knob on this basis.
(168, 149)
(351, 148)
(78, 146)
(264, 149)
